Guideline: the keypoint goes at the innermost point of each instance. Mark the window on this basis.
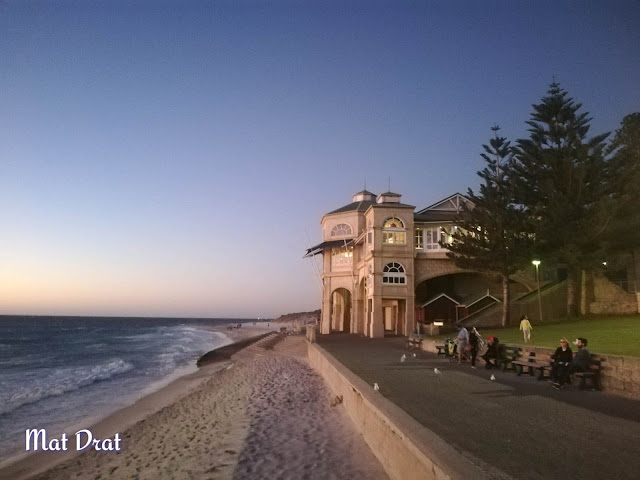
(393, 273)
(393, 231)
(419, 239)
(341, 230)
(432, 237)
(341, 257)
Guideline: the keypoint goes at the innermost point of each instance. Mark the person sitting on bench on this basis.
(491, 353)
(561, 362)
(581, 361)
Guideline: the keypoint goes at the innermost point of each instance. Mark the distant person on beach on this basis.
(491, 353)
(463, 341)
(581, 361)
(561, 363)
(525, 326)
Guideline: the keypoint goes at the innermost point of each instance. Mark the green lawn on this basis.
(615, 335)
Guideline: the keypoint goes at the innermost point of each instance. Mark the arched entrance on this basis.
(341, 310)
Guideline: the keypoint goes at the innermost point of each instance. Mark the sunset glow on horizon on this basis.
(175, 160)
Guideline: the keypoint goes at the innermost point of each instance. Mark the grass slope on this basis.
(615, 335)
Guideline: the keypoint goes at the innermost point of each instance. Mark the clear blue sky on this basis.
(159, 158)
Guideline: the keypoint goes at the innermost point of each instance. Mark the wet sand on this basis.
(262, 414)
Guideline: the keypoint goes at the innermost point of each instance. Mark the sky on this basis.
(164, 158)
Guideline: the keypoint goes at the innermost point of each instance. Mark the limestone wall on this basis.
(611, 299)
(405, 448)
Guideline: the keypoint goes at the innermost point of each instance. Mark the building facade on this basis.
(375, 252)
(385, 269)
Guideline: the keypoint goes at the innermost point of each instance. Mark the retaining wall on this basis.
(405, 448)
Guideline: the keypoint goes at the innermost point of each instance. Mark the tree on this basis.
(559, 177)
(623, 233)
(624, 182)
(492, 236)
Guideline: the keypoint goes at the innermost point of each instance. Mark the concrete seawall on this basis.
(406, 449)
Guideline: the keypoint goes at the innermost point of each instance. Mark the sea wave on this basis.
(16, 392)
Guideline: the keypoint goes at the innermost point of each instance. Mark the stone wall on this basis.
(610, 299)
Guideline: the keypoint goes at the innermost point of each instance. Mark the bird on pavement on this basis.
(403, 358)
(376, 387)
(493, 377)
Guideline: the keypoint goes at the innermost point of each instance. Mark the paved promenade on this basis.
(519, 425)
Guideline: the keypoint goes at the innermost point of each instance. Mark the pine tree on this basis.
(559, 175)
(623, 233)
(492, 236)
(624, 180)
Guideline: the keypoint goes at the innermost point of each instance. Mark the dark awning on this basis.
(330, 244)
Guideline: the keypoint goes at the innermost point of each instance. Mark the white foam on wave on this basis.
(54, 382)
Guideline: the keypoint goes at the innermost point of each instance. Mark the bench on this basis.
(414, 341)
(440, 350)
(519, 365)
(534, 364)
(507, 354)
(593, 373)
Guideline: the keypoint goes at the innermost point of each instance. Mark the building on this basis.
(385, 269)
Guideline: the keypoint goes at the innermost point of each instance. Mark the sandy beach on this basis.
(262, 414)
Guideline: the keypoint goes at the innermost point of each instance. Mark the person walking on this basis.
(525, 326)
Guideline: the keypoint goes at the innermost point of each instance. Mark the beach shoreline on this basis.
(28, 464)
(264, 413)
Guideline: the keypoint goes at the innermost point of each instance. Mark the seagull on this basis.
(493, 377)
(403, 358)
(414, 355)
(376, 387)
(436, 371)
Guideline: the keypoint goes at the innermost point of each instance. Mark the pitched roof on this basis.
(363, 206)
(452, 203)
(355, 207)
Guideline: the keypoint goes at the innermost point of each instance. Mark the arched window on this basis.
(393, 231)
(393, 273)
(341, 230)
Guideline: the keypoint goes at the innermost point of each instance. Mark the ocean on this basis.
(58, 372)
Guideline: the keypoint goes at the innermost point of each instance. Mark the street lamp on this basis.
(537, 264)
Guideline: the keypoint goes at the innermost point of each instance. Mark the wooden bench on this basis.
(414, 341)
(534, 364)
(520, 364)
(440, 350)
(507, 354)
(593, 373)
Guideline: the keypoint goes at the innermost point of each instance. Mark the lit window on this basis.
(393, 273)
(341, 230)
(393, 231)
(419, 239)
(432, 237)
(341, 257)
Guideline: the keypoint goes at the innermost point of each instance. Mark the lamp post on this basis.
(537, 264)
